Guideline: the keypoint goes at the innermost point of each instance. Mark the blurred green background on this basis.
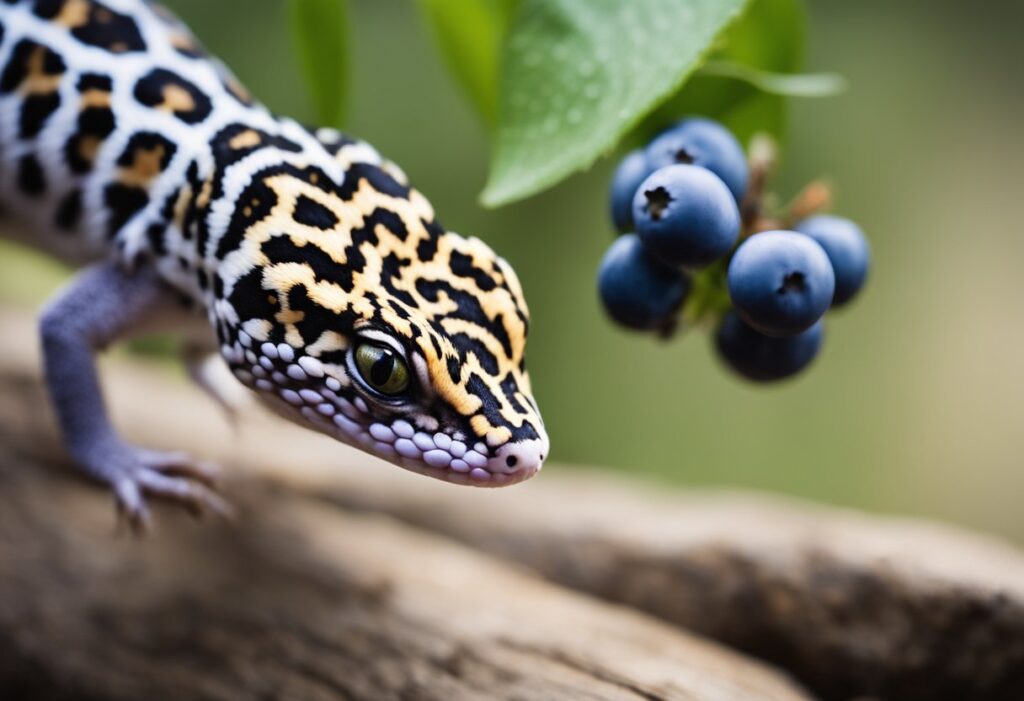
(917, 404)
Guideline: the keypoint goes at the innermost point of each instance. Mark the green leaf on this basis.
(784, 84)
(320, 34)
(579, 74)
(769, 38)
(470, 34)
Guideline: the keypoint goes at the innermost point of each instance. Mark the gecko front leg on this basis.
(102, 304)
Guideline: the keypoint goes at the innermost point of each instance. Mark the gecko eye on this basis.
(382, 369)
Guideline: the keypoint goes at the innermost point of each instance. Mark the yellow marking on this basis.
(75, 13)
(94, 97)
(37, 80)
(147, 163)
(181, 206)
(177, 99)
(499, 436)
(205, 194)
(328, 341)
(238, 89)
(89, 147)
(180, 40)
(246, 139)
(290, 317)
(281, 278)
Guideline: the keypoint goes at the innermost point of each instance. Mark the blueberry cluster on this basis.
(677, 204)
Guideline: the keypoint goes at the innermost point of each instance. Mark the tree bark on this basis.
(854, 606)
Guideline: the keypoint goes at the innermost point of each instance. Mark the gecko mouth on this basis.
(301, 387)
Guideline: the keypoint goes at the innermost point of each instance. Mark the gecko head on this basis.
(351, 312)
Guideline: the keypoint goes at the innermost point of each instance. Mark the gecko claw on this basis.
(182, 465)
(132, 511)
(137, 475)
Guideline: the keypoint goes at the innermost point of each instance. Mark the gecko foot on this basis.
(136, 474)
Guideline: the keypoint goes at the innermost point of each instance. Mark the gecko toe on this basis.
(182, 465)
(131, 508)
(192, 494)
(137, 476)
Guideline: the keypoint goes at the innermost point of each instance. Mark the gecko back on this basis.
(318, 274)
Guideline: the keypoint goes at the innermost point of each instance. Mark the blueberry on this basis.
(705, 143)
(632, 171)
(847, 249)
(781, 282)
(638, 291)
(764, 358)
(686, 216)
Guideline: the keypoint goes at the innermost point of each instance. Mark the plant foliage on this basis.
(560, 83)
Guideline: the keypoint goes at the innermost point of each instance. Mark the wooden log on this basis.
(299, 600)
(853, 605)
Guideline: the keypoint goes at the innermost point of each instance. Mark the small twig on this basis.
(813, 199)
(762, 160)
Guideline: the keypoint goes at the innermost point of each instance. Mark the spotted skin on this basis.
(122, 141)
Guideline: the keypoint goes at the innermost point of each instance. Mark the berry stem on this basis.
(763, 158)
(815, 198)
(709, 300)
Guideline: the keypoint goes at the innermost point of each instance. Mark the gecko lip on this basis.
(302, 386)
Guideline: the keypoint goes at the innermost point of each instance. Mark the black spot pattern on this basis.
(147, 141)
(377, 178)
(30, 64)
(34, 113)
(156, 234)
(94, 81)
(103, 28)
(510, 388)
(455, 370)
(17, 68)
(156, 88)
(95, 124)
(317, 320)
(280, 249)
(260, 200)
(491, 409)
(31, 179)
(125, 200)
(69, 211)
(311, 213)
(462, 265)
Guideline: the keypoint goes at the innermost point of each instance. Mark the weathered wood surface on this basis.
(301, 600)
(854, 606)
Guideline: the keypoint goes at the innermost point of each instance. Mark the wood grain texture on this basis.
(301, 600)
(854, 606)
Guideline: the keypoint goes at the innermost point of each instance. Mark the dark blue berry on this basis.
(764, 358)
(637, 290)
(781, 282)
(686, 216)
(632, 171)
(705, 143)
(847, 249)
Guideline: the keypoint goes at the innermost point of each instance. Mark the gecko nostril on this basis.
(511, 461)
